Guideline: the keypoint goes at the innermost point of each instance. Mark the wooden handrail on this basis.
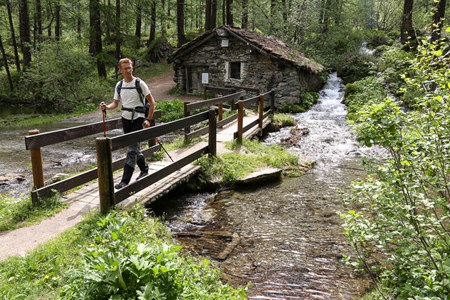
(206, 103)
(62, 135)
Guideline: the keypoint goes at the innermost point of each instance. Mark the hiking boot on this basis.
(121, 185)
(143, 167)
(142, 174)
(126, 177)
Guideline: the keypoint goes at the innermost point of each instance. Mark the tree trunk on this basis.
(13, 36)
(137, 32)
(117, 52)
(58, 21)
(24, 25)
(407, 34)
(180, 23)
(229, 12)
(5, 61)
(164, 23)
(214, 13)
(208, 16)
(95, 35)
(38, 12)
(152, 36)
(244, 24)
(438, 19)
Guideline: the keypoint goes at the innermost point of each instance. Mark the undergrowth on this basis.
(124, 255)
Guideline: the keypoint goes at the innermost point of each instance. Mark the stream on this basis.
(284, 238)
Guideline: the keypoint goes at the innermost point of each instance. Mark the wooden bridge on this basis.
(96, 186)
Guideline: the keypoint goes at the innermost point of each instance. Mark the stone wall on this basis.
(257, 70)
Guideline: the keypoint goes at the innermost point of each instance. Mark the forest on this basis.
(46, 45)
(63, 55)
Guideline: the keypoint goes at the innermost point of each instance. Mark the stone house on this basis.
(237, 57)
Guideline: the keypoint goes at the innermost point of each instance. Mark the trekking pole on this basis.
(104, 124)
(165, 151)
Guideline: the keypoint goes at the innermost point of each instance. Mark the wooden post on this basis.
(272, 101)
(212, 140)
(187, 130)
(152, 142)
(240, 121)
(205, 92)
(260, 114)
(36, 164)
(105, 174)
(220, 111)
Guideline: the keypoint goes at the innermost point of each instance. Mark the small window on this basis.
(235, 70)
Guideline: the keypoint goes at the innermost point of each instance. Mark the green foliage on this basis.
(61, 78)
(353, 66)
(19, 213)
(392, 64)
(124, 255)
(282, 120)
(119, 266)
(361, 93)
(398, 218)
(306, 101)
(171, 110)
(291, 108)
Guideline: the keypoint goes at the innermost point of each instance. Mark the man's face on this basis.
(126, 70)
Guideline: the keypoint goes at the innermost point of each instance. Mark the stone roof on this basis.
(266, 45)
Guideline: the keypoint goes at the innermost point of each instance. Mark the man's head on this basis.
(126, 68)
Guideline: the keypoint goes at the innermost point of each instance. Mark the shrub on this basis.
(62, 78)
(171, 110)
(127, 260)
(397, 218)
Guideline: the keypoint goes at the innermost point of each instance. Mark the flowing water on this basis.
(286, 237)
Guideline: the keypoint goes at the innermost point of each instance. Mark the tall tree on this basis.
(5, 62)
(58, 29)
(95, 35)
(214, 13)
(38, 12)
(438, 19)
(180, 23)
(244, 23)
(13, 35)
(152, 36)
(208, 15)
(137, 32)
(118, 38)
(229, 12)
(407, 33)
(24, 25)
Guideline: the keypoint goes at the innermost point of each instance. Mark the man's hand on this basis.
(103, 106)
(146, 124)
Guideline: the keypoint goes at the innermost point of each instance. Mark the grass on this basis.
(246, 159)
(20, 213)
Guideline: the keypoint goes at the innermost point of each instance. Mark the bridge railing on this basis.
(35, 140)
(231, 96)
(192, 106)
(105, 147)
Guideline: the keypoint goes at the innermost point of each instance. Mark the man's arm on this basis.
(151, 111)
(114, 104)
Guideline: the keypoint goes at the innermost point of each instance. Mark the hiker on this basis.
(131, 91)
